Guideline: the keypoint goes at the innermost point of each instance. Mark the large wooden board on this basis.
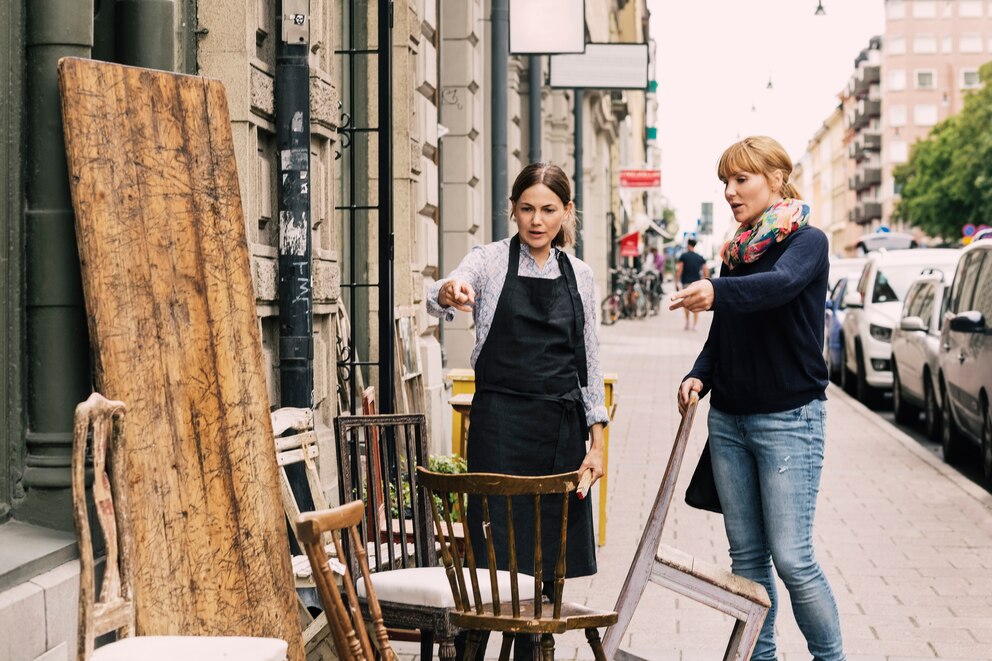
(172, 320)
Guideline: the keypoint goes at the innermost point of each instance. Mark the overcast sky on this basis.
(714, 61)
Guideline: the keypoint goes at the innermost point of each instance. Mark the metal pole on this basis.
(57, 343)
(534, 105)
(579, 97)
(146, 33)
(499, 82)
(292, 114)
(386, 321)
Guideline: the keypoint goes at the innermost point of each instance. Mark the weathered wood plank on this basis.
(172, 320)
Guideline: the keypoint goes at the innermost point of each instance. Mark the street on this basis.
(905, 540)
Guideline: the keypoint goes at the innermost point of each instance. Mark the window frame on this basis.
(918, 38)
(971, 35)
(918, 13)
(919, 106)
(925, 70)
(963, 84)
(897, 74)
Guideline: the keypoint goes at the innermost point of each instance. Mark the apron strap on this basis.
(514, 264)
(565, 265)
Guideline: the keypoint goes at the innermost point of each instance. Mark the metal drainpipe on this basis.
(499, 82)
(534, 105)
(145, 33)
(579, 97)
(386, 266)
(292, 115)
(58, 355)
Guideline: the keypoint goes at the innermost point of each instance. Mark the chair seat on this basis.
(573, 616)
(710, 573)
(428, 586)
(192, 648)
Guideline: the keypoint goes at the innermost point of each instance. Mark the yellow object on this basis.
(463, 387)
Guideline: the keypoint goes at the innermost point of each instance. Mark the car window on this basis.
(837, 295)
(924, 305)
(983, 291)
(964, 282)
(863, 281)
(911, 307)
(945, 301)
(892, 283)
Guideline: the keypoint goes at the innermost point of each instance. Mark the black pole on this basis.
(386, 337)
(292, 106)
(499, 82)
(579, 166)
(534, 106)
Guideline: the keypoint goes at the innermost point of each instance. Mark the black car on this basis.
(965, 357)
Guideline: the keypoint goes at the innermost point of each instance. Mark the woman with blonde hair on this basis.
(539, 386)
(762, 362)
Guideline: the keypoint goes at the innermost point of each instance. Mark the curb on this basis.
(976, 492)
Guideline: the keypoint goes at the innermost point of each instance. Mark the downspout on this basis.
(534, 106)
(499, 81)
(385, 238)
(579, 99)
(57, 343)
(145, 33)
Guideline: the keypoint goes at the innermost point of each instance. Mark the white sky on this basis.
(714, 62)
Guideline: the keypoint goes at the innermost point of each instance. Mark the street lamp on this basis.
(819, 9)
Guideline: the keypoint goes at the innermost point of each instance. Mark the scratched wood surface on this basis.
(172, 321)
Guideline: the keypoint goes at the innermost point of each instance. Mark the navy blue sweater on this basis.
(764, 352)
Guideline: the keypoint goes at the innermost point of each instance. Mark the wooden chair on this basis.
(525, 612)
(377, 460)
(114, 610)
(351, 638)
(744, 600)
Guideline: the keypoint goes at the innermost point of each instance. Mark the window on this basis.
(924, 9)
(970, 43)
(925, 114)
(897, 80)
(969, 8)
(925, 44)
(964, 282)
(947, 44)
(926, 79)
(895, 10)
(969, 78)
(897, 116)
(983, 293)
(897, 45)
(898, 151)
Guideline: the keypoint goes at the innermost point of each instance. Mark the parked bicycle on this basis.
(628, 300)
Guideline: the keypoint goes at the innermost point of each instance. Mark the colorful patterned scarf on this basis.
(777, 222)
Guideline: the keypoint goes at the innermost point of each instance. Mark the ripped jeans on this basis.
(767, 468)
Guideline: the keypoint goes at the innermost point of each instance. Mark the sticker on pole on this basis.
(642, 179)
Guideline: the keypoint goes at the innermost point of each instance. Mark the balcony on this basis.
(872, 211)
(869, 177)
(872, 141)
(873, 108)
(871, 75)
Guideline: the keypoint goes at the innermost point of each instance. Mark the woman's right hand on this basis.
(690, 385)
(456, 294)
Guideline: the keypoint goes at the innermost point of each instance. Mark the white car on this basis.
(873, 311)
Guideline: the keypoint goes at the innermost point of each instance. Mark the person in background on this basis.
(659, 259)
(539, 385)
(762, 362)
(691, 268)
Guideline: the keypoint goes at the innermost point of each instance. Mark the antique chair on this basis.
(351, 637)
(486, 609)
(746, 601)
(114, 610)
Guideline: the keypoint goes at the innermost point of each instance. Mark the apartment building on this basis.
(865, 147)
(931, 53)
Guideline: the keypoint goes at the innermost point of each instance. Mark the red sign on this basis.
(640, 178)
(630, 245)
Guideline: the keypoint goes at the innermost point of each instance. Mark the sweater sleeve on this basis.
(799, 265)
(472, 269)
(702, 369)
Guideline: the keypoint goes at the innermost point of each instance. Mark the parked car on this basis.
(872, 313)
(885, 240)
(915, 347)
(965, 359)
(842, 271)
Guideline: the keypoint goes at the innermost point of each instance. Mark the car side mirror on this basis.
(829, 305)
(853, 300)
(911, 324)
(972, 321)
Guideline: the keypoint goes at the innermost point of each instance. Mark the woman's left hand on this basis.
(697, 297)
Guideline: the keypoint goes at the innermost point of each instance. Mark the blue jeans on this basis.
(767, 468)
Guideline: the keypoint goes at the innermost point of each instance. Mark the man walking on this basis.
(691, 267)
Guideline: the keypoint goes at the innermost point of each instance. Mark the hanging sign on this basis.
(630, 178)
(604, 67)
(545, 27)
(630, 245)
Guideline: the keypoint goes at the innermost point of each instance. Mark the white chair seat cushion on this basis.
(192, 648)
(428, 586)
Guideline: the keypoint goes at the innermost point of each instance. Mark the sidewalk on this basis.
(906, 543)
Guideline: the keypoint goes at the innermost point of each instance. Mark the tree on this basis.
(947, 181)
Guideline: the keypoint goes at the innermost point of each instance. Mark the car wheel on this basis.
(904, 412)
(846, 375)
(987, 444)
(865, 393)
(948, 433)
(931, 412)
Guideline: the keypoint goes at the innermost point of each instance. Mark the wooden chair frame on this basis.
(517, 616)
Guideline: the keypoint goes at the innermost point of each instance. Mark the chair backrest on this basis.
(344, 615)
(297, 448)
(448, 495)
(113, 609)
(378, 456)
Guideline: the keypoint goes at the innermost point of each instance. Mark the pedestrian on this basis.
(762, 362)
(539, 386)
(659, 259)
(690, 268)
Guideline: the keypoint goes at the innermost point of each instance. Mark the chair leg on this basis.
(592, 635)
(504, 650)
(547, 647)
(446, 649)
(426, 644)
(472, 645)
(745, 635)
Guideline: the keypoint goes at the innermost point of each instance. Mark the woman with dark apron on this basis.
(539, 386)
